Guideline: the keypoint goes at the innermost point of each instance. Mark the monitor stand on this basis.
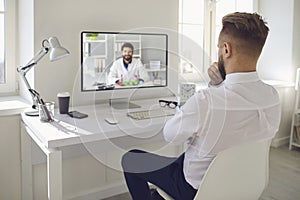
(122, 103)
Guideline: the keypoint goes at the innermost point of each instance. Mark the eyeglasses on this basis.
(171, 104)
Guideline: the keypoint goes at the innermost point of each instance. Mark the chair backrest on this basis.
(240, 172)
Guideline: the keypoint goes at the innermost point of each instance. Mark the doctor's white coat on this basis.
(135, 70)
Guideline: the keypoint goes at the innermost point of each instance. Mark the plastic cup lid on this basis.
(63, 94)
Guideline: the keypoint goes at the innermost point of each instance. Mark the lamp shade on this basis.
(56, 50)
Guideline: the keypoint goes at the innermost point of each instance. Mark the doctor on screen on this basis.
(127, 69)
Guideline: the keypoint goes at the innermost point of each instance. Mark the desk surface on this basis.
(66, 131)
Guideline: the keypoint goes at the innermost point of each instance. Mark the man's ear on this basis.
(227, 50)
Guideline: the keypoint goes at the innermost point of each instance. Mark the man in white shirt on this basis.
(127, 69)
(237, 108)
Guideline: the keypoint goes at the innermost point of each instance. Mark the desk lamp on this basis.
(56, 52)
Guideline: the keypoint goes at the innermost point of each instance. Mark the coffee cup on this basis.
(63, 102)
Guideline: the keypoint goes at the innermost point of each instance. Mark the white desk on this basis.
(66, 131)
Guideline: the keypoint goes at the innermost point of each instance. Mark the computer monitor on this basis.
(121, 61)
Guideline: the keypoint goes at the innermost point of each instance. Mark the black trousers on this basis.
(141, 167)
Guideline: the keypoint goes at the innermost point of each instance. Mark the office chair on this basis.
(239, 172)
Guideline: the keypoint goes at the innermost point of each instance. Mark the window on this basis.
(200, 22)
(191, 37)
(7, 46)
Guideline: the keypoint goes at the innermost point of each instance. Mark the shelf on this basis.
(295, 144)
(94, 41)
(295, 126)
(156, 70)
(119, 41)
(98, 56)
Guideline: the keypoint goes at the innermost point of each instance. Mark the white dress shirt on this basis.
(242, 109)
(135, 70)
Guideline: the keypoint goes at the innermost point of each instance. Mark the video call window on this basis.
(112, 60)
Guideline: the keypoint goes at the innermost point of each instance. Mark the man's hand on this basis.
(214, 74)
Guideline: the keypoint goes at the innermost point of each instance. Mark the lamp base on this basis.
(32, 112)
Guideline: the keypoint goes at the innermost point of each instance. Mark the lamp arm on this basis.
(37, 57)
(23, 71)
(34, 97)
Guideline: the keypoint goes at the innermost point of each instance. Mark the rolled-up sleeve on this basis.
(187, 121)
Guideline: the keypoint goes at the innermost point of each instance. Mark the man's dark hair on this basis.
(127, 44)
(250, 29)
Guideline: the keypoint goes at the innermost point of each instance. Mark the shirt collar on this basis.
(126, 63)
(244, 77)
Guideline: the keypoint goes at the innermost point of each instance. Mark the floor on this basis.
(284, 182)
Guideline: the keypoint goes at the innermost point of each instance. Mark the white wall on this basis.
(280, 56)
(276, 59)
(287, 96)
(296, 35)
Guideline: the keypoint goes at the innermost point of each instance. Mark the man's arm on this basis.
(186, 121)
(113, 75)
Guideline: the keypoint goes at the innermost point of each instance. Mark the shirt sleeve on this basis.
(187, 121)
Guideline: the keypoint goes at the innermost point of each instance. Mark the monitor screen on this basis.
(115, 61)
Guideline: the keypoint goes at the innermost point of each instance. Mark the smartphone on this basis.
(76, 114)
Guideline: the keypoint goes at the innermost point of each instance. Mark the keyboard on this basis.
(148, 114)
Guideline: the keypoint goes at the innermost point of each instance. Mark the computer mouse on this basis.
(111, 121)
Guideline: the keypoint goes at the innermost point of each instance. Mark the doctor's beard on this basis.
(127, 58)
